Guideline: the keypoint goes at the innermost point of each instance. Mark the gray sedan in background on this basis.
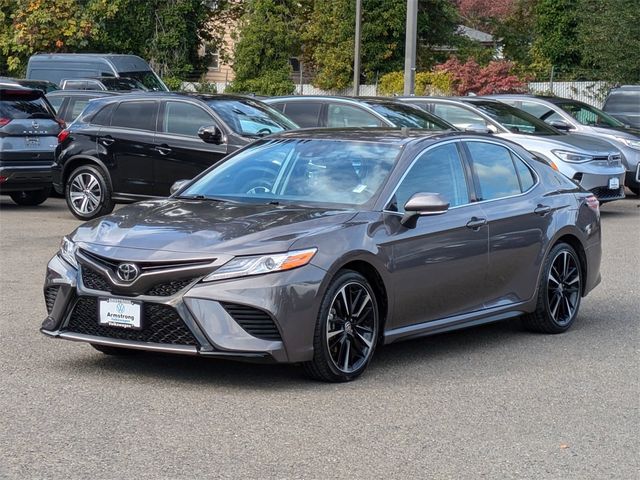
(579, 117)
(316, 246)
(593, 163)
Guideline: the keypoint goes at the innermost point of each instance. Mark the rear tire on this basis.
(116, 351)
(346, 330)
(88, 193)
(559, 292)
(30, 198)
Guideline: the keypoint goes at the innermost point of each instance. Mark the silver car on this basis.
(578, 117)
(593, 163)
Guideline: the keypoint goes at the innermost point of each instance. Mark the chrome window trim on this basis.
(531, 169)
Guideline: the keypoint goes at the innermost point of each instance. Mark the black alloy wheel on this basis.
(346, 331)
(559, 292)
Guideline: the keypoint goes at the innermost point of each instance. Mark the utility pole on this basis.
(356, 56)
(411, 39)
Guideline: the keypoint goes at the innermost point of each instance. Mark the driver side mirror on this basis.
(560, 125)
(423, 204)
(211, 134)
(177, 186)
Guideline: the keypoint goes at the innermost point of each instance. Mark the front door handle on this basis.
(542, 210)
(108, 140)
(475, 223)
(163, 150)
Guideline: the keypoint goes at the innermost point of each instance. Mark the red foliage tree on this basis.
(499, 9)
(470, 77)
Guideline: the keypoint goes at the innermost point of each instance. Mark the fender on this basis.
(76, 160)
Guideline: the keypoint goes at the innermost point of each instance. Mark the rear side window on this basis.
(499, 174)
(458, 116)
(56, 102)
(24, 105)
(623, 101)
(76, 106)
(304, 114)
(339, 116)
(185, 119)
(137, 115)
(103, 117)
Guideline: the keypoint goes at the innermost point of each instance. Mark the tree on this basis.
(609, 39)
(31, 26)
(268, 38)
(556, 31)
(328, 39)
(485, 14)
(470, 77)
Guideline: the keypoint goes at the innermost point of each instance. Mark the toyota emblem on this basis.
(128, 272)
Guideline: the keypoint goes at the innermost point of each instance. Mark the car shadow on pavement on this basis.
(397, 362)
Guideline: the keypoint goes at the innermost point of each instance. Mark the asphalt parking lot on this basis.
(490, 402)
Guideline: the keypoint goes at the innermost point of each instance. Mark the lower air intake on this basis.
(255, 322)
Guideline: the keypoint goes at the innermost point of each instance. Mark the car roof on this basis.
(101, 93)
(401, 136)
(183, 95)
(526, 96)
(339, 98)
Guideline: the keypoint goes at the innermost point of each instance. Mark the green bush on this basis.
(270, 84)
(391, 83)
(173, 83)
(427, 83)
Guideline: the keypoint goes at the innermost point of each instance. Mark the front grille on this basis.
(255, 322)
(160, 324)
(169, 288)
(603, 193)
(95, 280)
(50, 294)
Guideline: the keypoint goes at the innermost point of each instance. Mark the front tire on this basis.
(88, 193)
(30, 198)
(346, 330)
(559, 292)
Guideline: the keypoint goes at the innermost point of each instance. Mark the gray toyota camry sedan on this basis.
(317, 246)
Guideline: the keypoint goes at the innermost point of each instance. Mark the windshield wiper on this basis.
(199, 196)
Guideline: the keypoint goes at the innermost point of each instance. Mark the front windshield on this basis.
(121, 84)
(147, 78)
(300, 171)
(514, 119)
(250, 117)
(588, 115)
(409, 116)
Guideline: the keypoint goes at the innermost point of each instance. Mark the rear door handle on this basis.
(475, 223)
(163, 149)
(542, 210)
(108, 140)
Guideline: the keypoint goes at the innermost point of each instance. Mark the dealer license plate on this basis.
(118, 312)
(614, 183)
(32, 141)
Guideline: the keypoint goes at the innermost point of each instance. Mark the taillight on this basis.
(62, 136)
(3, 178)
(593, 203)
(4, 121)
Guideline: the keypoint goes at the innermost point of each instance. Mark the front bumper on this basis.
(210, 319)
(597, 178)
(17, 178)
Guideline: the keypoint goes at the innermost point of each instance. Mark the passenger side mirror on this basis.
(560, 125)
(211, 134)
(177, 186)
(478, 128)
(423, 204)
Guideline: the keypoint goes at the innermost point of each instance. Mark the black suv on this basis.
(28, 131)
(135, 146)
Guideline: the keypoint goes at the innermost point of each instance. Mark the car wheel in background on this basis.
(559, 292)
(31, 197)
(346, 331)
(635, 190)
(88, 194)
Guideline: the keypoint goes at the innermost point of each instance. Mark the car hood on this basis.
(574, 142)
(181, 229)
(630, 133)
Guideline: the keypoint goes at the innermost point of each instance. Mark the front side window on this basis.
(588, 115)
(138, 115)
(249, 117)
(514, 119)
(409, 116)
(438, 170)
(300, 171)
(497, 171)
(185, 119)
(341, 115)
(458, 116)
(147, 78)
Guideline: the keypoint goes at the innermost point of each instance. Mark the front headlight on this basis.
(630, 142)
(259, 264)
(572, 157)
(68, 252)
